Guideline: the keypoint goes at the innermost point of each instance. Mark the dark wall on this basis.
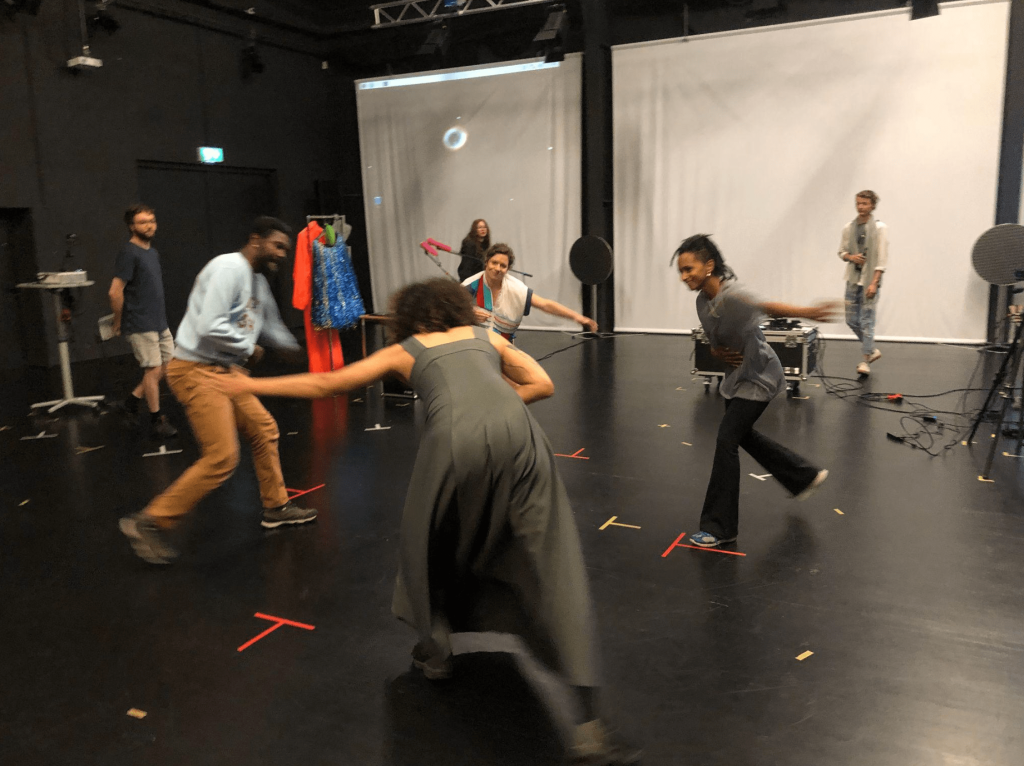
(70, 142)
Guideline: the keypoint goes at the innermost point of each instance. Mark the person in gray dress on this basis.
(488, 540)
(731, 318)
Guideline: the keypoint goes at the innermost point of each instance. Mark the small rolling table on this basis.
(62, 348)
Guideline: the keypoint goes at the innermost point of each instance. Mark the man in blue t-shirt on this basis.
(137, 300)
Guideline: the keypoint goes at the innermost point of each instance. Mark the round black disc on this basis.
(998, 255)
(591, 259)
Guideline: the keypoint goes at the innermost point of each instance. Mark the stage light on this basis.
(251, 61)
(555, 26)
(922, 9)
(437, 42)
(551, 36)
(11, 7)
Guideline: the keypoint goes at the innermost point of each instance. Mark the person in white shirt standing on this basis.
(229, 309)
(864, 245)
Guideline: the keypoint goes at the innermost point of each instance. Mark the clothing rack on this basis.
(332, 216)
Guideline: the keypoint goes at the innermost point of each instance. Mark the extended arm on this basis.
(819, 312)
(523, 372)
(320, 385)
(558, 310)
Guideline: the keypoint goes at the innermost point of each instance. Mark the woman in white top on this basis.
(502, 300)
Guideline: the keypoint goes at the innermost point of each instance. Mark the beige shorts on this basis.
(152, 349)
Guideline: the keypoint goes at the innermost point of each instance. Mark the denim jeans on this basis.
(860, 316)
(721, 513)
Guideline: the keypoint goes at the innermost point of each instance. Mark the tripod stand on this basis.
(1003, 385)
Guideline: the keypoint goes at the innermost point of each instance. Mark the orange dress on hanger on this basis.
(322, 346)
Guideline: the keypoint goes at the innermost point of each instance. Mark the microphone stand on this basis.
(431, 246)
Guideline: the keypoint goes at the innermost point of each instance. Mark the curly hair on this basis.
(435, 305)
(500, 249)
(869, 195)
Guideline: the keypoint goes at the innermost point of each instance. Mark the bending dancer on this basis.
(488, 537)
(229, 308)
(731, 319)
(473, 249)
(864, 245)
(502, 300)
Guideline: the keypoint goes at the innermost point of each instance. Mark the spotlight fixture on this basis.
(251, 61)
(11, 7)
(922, 9)
(437, 42)
(102, 19)
(551, 36)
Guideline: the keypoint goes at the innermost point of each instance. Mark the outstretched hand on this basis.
(825, 311)
(729, 357)
(234, 383)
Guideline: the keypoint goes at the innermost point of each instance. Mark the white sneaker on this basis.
(863, 368)
(813, 486)
(874, 356)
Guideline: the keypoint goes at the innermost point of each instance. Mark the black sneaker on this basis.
(434, 668)
(289, 513)
(594, 745)
(161, 428)
(147, 539)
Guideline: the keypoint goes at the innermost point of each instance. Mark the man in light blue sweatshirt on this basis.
(229, 309)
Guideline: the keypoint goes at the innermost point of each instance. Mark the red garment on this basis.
(322, 346)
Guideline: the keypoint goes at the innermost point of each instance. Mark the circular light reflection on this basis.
(454, 139)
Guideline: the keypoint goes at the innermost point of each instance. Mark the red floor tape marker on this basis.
(575, 454)
(279, 621)
(294, 493)
(678, 544)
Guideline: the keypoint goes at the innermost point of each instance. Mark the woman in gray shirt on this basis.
(731, 320)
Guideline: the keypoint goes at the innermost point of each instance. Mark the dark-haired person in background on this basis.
(731, 319)
(474, 246)
(488, 539)
(229, 309)
(137, 300)
(864, 245)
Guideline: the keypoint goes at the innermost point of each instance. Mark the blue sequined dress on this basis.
(337, 303)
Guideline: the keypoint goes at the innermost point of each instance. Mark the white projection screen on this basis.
(763, 137)
(519, 169)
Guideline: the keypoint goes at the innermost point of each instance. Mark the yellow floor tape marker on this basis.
(23, 502)
(686, 443)
(136, 713)
(804, 656)
(664, 425)
(838, 511)
(1010, 454)
(987, 481)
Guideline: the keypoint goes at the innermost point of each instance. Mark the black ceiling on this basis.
(341, 30)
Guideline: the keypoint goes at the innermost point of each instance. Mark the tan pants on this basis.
(216, 420)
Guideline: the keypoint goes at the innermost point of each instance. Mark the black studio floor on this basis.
(911, 599)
